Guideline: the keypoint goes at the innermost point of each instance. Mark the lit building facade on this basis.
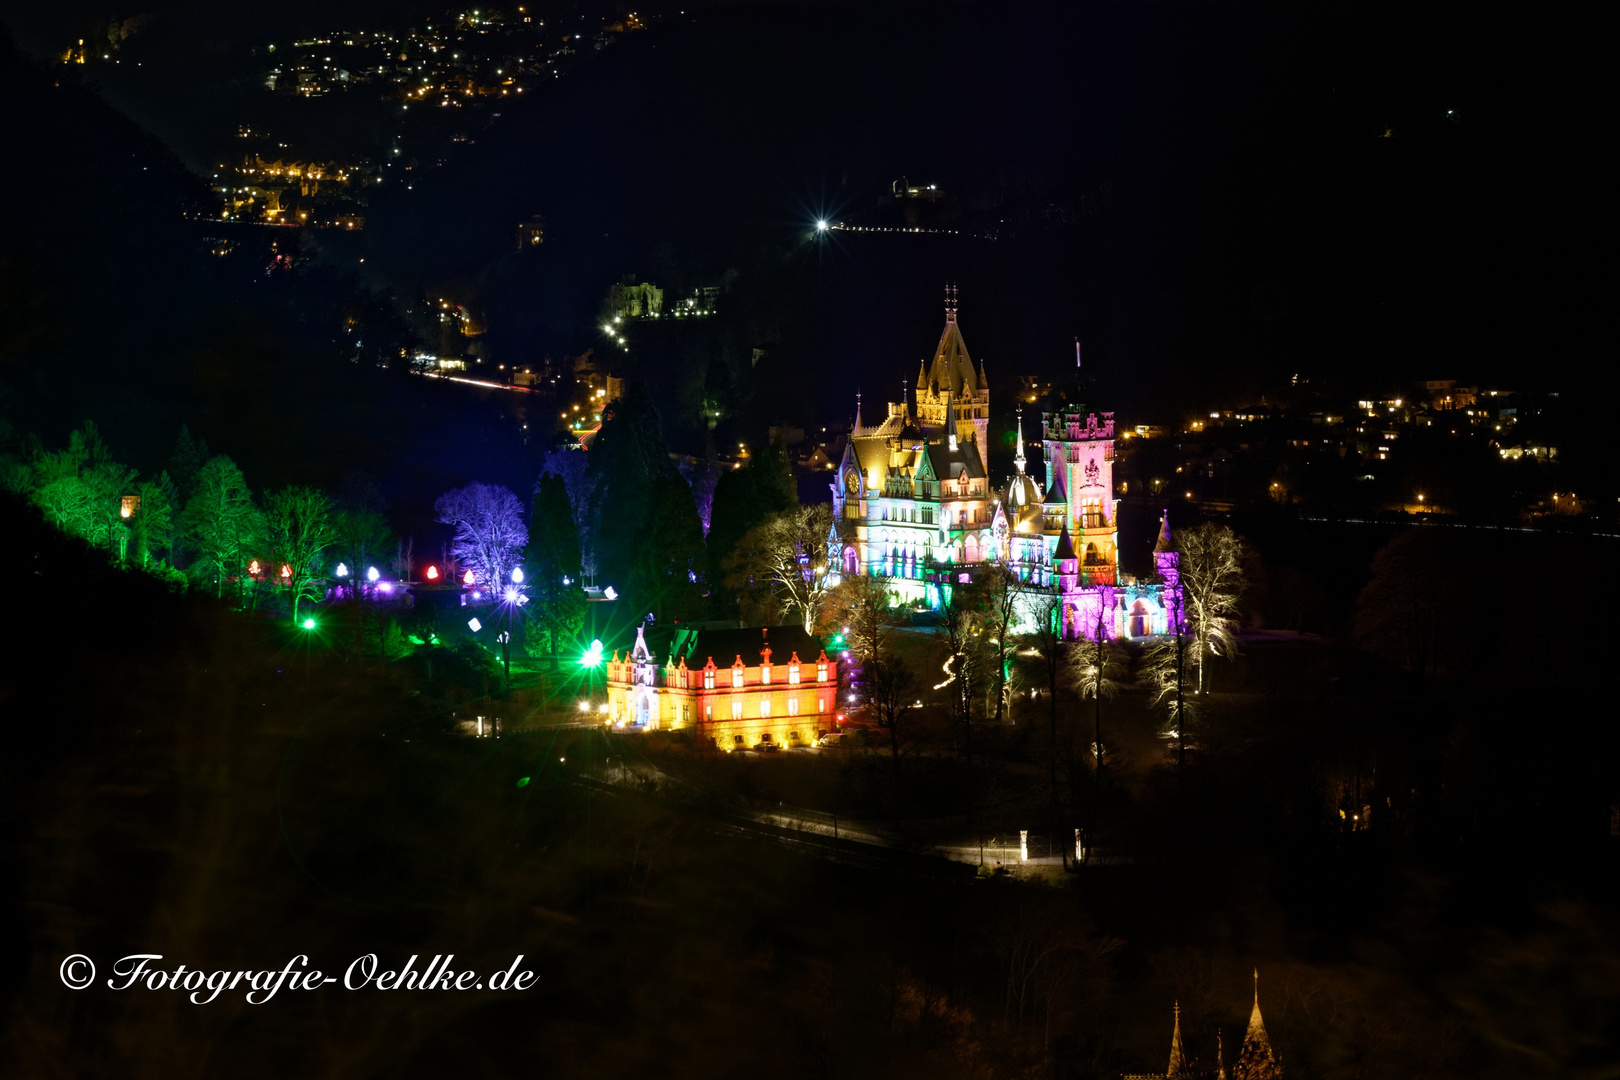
(743, 688)
(913, 504)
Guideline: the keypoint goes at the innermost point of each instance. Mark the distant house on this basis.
(743, 688)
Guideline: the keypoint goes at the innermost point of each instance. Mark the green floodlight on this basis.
(309, 624)
(593, 655)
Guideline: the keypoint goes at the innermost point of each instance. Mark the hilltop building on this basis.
(744, 688)
(914, 503)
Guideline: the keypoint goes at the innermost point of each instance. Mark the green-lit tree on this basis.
(667, 576)
(300, 530)
(552, 565)
(221, 523)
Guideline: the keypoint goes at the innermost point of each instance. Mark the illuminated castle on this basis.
(914, 504)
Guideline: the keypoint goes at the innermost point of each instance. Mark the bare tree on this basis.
(1212, 583)
(863, 604)
(891, 696)
(783, 562)
(299, 526)
(1096, 668)
(490, 534)
(1002, 592)
(963, 626)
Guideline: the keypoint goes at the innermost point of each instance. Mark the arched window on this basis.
(737, 674)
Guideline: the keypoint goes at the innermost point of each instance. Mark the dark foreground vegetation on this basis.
(228, 796)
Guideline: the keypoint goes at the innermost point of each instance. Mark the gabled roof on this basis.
(951, 464)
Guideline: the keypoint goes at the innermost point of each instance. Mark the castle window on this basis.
(708, 713)
(736, 710)
(737, 677)
(793, 674)
(793, 706)
(821, 672)
(821, 705)
(708, 679)
(764, 706)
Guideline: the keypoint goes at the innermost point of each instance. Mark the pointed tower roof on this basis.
(1065, 546)
(1056, 493)
(857, 428)
(1178, 1058)
(952, 368)
(1220, 1057)
(1164, 543)
(1256, 1061)
(1019, 458)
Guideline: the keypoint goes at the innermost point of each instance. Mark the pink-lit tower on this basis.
(1167, 564)
(1080, 470)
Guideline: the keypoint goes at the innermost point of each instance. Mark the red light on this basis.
(286, 571)
(433, 573)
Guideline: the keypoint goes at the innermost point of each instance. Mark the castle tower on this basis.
(951, 385)
(1256, 1061)
(1080, 472)
(1178, 1058)
(1167, 564)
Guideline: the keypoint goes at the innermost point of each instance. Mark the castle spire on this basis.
(1178, 1059)
(1166, 544)
(1019, 460)
(1256, 1061)
(1220, 1057)
(857, 427)
(950, 303)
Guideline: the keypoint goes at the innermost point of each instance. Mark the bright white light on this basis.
(372, 575)
(511, 595)
(474, 625)
(342, 571)
(821, 226)
(517, 575)
(611, 593)
(584, 706)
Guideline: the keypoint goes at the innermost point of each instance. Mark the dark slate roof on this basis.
(1065, 547)
(951, 464)
(697, 646)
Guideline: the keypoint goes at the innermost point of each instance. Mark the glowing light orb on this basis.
(468, 578)
(474, 625)
(342, 570)
(611, 593)
(309, 624)
(371, 574)
(517, 575)
(433, 573)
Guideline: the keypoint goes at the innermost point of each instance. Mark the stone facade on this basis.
(913, 503)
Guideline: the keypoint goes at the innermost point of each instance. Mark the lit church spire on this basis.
(1256, 1061)
(1178, 1058)
(1019, 460)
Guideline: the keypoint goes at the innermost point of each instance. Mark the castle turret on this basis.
(1256, 1061)
(1178, 1058)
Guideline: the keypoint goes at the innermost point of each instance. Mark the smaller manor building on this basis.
(744, 688)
